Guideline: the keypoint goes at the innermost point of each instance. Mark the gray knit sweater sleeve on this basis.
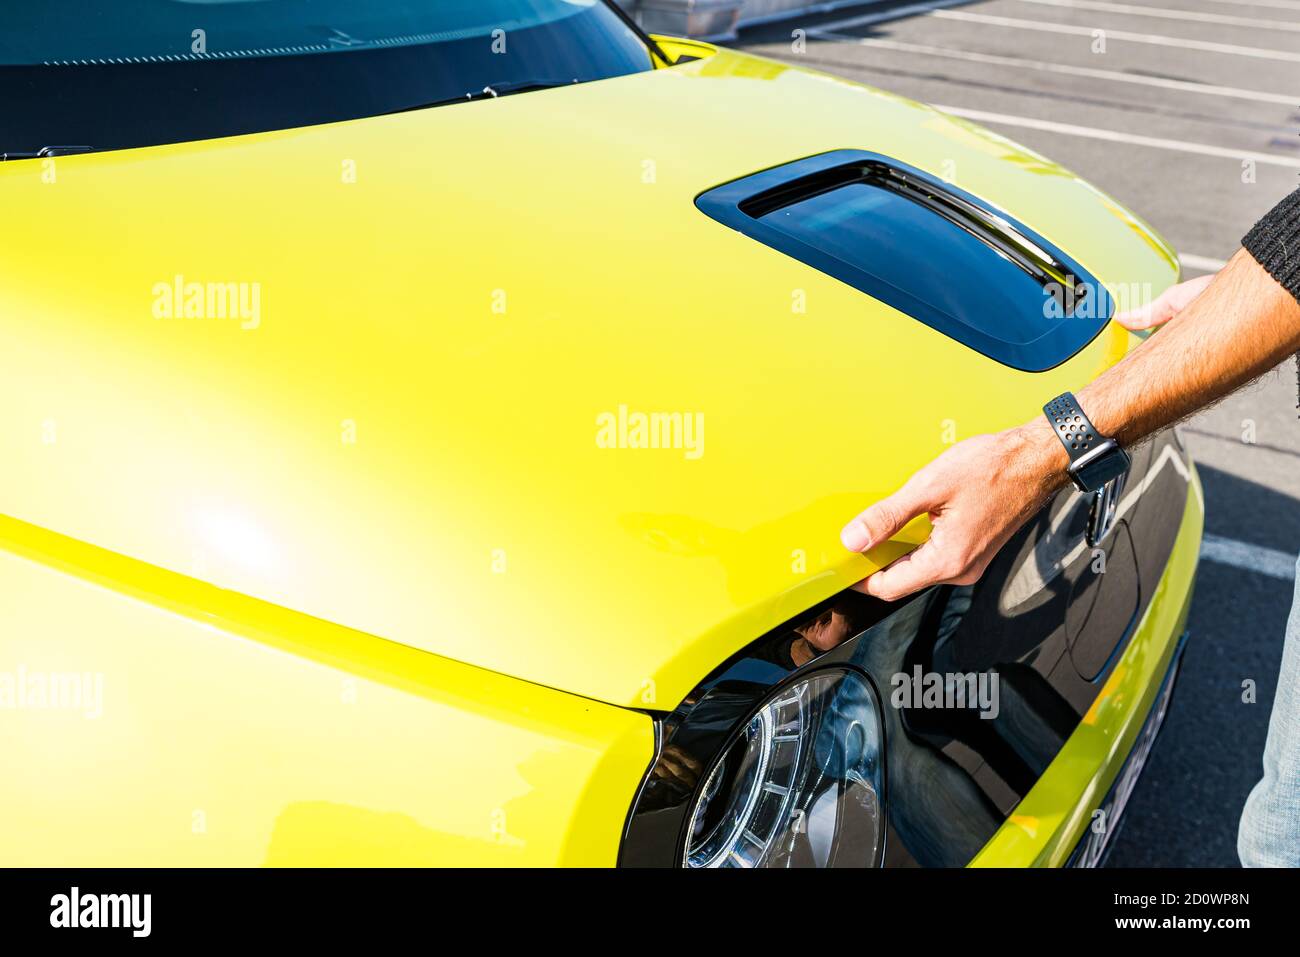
(1275, 243)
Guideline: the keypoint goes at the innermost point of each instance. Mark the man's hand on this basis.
(977, 494)
(1165, 306)
(1230, 328)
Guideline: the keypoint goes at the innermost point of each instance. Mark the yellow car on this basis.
(427, 427)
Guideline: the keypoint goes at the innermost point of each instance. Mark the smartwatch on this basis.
(1094, 459)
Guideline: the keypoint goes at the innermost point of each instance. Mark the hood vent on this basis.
(935, 252)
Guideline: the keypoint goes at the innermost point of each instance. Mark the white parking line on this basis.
(1251, 558)
(1206, 45)
(1165, 13)
(1114, 136)
(1201, 263)
(1259, 96)
(1275, 4)
(897, 13)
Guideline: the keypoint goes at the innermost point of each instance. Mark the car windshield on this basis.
(110, 74)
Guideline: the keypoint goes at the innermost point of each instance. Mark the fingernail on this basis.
(855, 537)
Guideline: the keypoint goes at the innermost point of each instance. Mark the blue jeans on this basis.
(1269, 835)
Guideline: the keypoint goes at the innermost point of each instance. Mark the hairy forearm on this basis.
(1243, 325)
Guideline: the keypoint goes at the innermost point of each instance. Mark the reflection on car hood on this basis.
(424, 423)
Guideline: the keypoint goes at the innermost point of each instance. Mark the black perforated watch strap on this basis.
(1072, 426)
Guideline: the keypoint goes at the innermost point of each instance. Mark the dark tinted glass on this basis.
(926, 256)
(933, 251)
(118, 73)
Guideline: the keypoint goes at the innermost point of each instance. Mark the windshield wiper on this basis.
(491, 92)
(45, 151)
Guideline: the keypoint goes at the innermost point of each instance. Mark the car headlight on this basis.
(800, 785)
(776, 759)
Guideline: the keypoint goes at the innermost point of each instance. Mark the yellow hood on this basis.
(450, 314)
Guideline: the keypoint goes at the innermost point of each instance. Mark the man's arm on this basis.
(1241, 326)
(979, 492)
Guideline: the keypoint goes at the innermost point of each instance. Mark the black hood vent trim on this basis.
(938, 253)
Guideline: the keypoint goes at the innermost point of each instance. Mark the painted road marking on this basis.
(1129, 9)
(1252, 558)
(1285, 99)
(1114, 136)
(828, 29)
(1206, 45)
(1203, 263)
(1275, 4)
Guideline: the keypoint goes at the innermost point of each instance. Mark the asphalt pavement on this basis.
(1188, 112)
